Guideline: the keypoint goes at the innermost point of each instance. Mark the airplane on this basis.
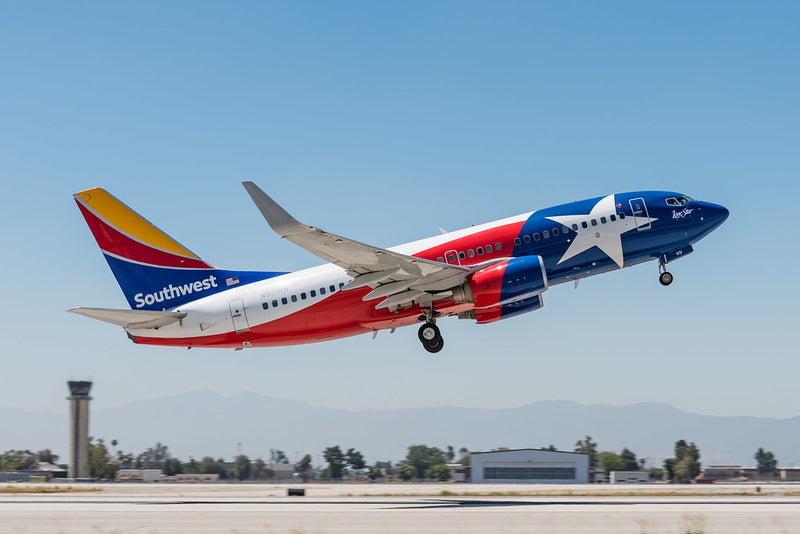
(483, 273)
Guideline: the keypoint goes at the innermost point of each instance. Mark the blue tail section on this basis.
(149, 287)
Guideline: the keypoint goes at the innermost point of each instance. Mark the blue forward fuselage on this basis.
(660, 231)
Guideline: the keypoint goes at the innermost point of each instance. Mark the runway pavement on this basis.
(356, 508)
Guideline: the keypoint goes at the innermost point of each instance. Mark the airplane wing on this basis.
(131, 318)
(399, 278)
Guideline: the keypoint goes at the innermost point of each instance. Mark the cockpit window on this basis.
(679, 201)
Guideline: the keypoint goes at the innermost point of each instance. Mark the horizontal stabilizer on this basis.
(131, 318)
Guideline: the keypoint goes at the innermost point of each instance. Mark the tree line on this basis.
(421, 462)
(19, 460)
(105, 460)
(683, 466)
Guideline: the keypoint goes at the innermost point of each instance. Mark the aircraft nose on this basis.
(714, 213)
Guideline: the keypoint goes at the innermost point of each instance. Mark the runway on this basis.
(248, 508)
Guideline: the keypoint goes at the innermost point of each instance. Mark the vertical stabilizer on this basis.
(154, 271)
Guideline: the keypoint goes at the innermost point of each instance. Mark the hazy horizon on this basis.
(205, 423)
(97, 405)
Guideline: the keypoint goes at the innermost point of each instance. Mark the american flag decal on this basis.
(232, 281)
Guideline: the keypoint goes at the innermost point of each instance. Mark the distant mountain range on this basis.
(204, 423)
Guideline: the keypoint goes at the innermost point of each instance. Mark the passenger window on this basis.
(332, 288)
(313, 293)
(265, 305)
(461, 255)
(274, 303)
(303, 296)
(440, 259)
(594, 222)
(555, 232)
(480, 251)
(621, 215)
(294, 298)
(565, 229)
(471, 253)
(498, 246)
(613, 217)
(536, 236)
(575, 227)
(322, 291)
(488, 249)
(451, 258)
(603, 220)
(341, 284)
(527, 238)
(517, 241)
(284, 301)
(546, 234)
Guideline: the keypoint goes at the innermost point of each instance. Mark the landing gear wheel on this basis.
(665, 278)
(428, 332)
(434, 346)
(430, 337)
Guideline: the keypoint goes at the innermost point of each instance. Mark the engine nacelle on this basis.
(507, 288)
(490, 315)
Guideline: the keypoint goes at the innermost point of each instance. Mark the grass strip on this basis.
(46, 489)
(448, 493)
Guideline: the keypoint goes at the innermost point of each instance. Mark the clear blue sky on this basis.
(383, 121)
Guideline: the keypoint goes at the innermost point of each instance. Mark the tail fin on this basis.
(154, 271)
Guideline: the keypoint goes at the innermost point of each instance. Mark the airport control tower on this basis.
(79, 428)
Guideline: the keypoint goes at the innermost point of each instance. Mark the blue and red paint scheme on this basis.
(486, 273)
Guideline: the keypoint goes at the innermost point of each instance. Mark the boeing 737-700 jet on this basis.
(484, 273)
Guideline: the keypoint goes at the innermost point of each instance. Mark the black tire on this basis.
(434, 346)
(428, 332)
(665, 278)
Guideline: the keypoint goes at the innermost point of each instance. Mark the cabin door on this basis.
(640, 216)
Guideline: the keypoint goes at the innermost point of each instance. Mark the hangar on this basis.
(529, 466)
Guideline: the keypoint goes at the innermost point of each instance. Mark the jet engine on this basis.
(504, 289)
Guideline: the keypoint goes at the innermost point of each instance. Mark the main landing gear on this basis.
(429, 333)
(665, 278)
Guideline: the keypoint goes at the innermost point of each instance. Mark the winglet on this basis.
(277, 217)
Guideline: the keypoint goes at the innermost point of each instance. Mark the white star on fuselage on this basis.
(605, 236)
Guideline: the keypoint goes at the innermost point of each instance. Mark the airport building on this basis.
(629, 477)
(529, 466)
(741, 473)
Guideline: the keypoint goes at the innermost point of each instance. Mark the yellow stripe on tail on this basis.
(126, 220)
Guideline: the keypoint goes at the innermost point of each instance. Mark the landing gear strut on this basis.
(429, 333)
(665, 278)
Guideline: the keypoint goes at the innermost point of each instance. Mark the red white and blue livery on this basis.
(484, 273)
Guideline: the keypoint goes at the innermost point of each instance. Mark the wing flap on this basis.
(131, 318)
